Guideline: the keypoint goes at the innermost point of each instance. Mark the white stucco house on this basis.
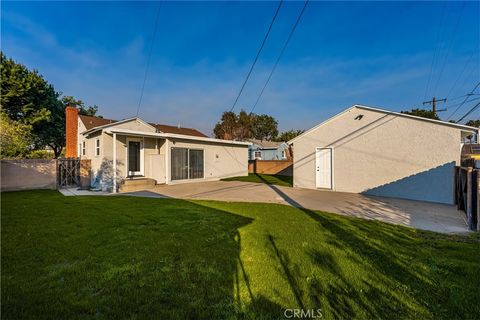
(135, 149)
(383, 153)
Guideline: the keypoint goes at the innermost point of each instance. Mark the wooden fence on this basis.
(467, 195)
(280, 167)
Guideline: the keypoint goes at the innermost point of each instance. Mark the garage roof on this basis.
(399, 114)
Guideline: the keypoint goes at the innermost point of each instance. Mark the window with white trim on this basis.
(97, 147)
(258, 155)
(83, 147)
(284, 156)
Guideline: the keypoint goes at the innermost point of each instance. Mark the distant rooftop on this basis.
(264, 144)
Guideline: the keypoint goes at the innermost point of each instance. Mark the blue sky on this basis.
(343, 53)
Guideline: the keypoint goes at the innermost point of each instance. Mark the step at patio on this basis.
(136, 184)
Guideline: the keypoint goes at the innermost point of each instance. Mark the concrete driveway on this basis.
(416, 214)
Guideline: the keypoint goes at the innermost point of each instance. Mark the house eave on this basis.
(173, 136)
(95, 129)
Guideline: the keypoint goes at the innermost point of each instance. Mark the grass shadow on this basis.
(383, 250)
(121, 257)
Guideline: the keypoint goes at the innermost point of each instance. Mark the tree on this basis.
(26, 96)
(422, 113)
(52, 132)
(226, 127)
(15, 137)
(245, 126)
(473, 123)
(289, 135)
(82, 109)
(29, 99)
(264, 127)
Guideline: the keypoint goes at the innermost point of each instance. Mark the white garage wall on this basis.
(383, 154)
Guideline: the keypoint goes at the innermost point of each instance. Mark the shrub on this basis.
(41, 154)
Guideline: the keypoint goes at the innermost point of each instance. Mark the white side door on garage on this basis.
(323, 168)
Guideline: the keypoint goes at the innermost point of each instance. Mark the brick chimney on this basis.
(71, 131)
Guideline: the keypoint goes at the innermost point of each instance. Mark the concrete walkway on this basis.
(416, 214)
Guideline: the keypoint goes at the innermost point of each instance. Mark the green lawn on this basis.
(142, 258)
(279, 180)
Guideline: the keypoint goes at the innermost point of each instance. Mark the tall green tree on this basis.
(289, 135)
(26, 96)
(422, 113)
(227, 126)
(29, 99)
(246, 126)
(264, 127)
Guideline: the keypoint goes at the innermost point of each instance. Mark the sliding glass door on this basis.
(179, 163)
(195, 159)
(186, 164)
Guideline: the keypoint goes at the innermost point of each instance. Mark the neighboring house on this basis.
(268, 150)
(133, 148)
(383, 153)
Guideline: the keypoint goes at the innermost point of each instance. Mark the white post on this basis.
(167, 161)
(114, 189)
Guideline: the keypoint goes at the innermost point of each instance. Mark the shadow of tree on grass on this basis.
(392, 289)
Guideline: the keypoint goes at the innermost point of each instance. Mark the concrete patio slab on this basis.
(417, 214)
(68, 192)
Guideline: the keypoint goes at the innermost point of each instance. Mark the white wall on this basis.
(383, 154)
(221, 160)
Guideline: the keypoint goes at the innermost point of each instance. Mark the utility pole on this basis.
(433, 102)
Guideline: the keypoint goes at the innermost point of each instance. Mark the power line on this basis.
(433, 102)
(457, 104)
(280, 55)
(462, 96)
(258, 54)
(465, 100)
(469, 111)
(149, 58)
(449, 49)
(461, 74)
(435, 54)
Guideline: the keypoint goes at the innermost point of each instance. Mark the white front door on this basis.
(323, 167)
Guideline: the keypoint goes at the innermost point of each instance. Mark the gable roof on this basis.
(93, 123)
(264, 144)
(399, 114)
(178, 130)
